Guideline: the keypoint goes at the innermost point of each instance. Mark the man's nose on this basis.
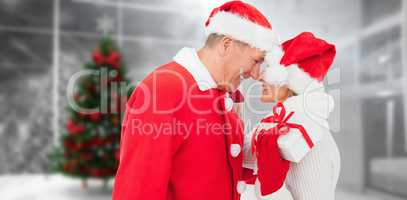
(255, 73)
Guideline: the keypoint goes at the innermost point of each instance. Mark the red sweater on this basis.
(184, 154)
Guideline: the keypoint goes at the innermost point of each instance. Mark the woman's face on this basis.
(274, 93)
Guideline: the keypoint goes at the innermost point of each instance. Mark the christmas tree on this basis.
(89, 144)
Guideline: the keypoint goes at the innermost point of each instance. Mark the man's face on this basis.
(242, 61)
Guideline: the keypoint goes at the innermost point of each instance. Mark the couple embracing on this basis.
(182, 137)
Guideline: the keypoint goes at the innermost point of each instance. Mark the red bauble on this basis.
(86, 156)
(67, 144)
(95, 142)
(95, 116)
(95, 172)
(75, 128)
(113, 59)
(98, 141)
(81, 115)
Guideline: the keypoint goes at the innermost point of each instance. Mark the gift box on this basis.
(298, 133)
(299, 139)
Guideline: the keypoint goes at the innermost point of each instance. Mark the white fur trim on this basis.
(188, 58)
(235, 150)
(241, 187)
(274, 56)
(228, 103)
(242, 29)
(275, 73)
(283, 193)
(301, 82)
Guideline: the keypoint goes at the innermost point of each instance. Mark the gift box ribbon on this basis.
(282, 126)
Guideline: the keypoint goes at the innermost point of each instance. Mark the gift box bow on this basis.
(282, 126)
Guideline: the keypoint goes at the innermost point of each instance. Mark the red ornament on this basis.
(67, 144)
(113, 59)
(95, 172)
(75, 128)
(73, 146)
(95, 142)
(86, 156)
(95, 116)
(81, 115)
(99, 141)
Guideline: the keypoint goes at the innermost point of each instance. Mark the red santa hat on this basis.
(301, 63)
(242, 22)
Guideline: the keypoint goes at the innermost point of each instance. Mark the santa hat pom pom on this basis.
(235, 150)
(241, 187)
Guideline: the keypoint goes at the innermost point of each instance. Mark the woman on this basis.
(294, 81)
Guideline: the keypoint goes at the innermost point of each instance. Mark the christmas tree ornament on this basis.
(75, 128)
(113, 59)
(95, 116)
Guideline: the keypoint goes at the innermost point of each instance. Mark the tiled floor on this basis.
(40, 187)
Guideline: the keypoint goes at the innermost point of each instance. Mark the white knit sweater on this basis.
(316, 175)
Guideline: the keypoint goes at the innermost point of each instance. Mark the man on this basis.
(181, 138)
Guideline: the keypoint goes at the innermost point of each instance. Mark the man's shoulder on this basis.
(171, 72)
(169, 79)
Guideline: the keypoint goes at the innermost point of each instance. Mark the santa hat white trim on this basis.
(242, 29)
(301, 82)
(275, 73)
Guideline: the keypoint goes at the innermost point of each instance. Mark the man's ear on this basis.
(225, 46)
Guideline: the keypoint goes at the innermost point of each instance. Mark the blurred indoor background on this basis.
(44, 42)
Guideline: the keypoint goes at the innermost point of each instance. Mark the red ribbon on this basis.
(112, 59)
(283, 127)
